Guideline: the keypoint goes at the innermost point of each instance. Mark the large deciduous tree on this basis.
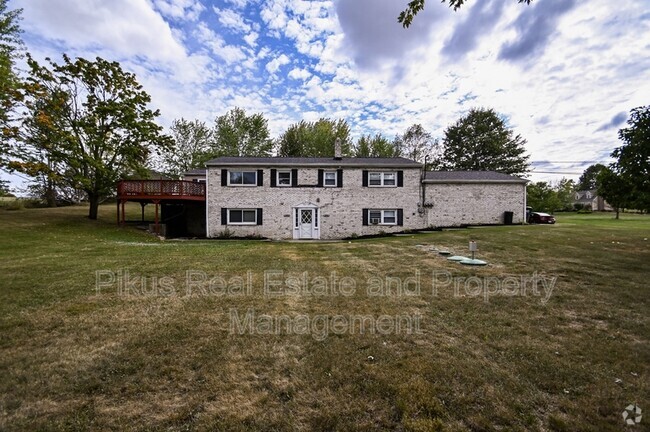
(416, 6)
(90, 120)
(191, 147)
(587, 180)
(417, 144)
(541, 196)
(315, 139)
(376, 146)
(39, 143)
(633, 157)
(10, 49)
(481, 141)
(238, 134)
(544, 196)
(615, 189)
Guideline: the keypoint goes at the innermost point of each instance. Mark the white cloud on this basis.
(186, 10)
(299, 74)
(125, 27)
(275, 64)
(251, 38)
(232, 20)
(239, 4)
(218, 46)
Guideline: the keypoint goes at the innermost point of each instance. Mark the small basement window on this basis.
(382, 217)
(242, 217)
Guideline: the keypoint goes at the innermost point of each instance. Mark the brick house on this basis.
(333, 198)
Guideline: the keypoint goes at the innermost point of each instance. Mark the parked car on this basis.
(541, 218)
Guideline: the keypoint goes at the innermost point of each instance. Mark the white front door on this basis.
(306, 223)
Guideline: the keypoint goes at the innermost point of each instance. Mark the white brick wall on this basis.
(340, 209)
(474, 203)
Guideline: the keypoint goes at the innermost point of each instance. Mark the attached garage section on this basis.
(456, 198)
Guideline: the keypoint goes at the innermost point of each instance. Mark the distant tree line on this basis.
(480, 140)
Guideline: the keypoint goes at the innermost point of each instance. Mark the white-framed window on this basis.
(382, 217)
(284, 178)
(382, 179)
(242, 178)
(329, 179)
(242, 217)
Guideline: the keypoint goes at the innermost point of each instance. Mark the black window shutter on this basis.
(260, 177)
(365, 217)
(273, 177)
(365, 178)
(294, 177)
(400, 217)
(224, 177)
(339, 177)
(400, 178)
(259, 216)
(320, 178)
(224, 215)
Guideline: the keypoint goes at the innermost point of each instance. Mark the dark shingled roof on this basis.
(195, 172)
(470, 177)
(315, 161)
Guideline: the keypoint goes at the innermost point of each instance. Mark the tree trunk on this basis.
(617, 209)
(93, 198)
(50, 196)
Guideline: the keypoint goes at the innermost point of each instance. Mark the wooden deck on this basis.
(159, 190)
(156, 192)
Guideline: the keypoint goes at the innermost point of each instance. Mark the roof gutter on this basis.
(333, 163)
(520, 181)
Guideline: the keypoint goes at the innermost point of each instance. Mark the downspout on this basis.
(524, 221)
(207, 213)
(422, 176)
(422, 209)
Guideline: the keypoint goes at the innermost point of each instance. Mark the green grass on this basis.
(73, 358)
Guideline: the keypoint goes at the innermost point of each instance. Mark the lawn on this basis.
(101, 330)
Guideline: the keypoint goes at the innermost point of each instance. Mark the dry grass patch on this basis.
(73, 358)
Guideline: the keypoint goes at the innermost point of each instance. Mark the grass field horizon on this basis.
(110, 328)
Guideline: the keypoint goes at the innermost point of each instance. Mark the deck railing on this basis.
(160, 189)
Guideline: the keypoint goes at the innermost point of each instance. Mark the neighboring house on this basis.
(589, 199)
(195, 175)
(333, 198)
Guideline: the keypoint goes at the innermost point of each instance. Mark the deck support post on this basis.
(142, 205)
(123, 212)
(157, 226)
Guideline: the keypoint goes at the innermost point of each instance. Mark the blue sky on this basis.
(565, 73)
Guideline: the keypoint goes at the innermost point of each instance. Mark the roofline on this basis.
(513, 181)
(333, 163)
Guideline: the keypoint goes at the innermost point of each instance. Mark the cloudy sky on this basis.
(564, 73)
